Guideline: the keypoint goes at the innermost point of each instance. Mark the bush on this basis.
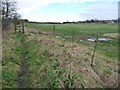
(6, 23)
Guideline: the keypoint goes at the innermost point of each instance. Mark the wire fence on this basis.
(72, 37)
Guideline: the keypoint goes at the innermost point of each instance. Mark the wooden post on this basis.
(54, 30)
(15, 23)
(96, 41)
(73, 36)
(23, 27)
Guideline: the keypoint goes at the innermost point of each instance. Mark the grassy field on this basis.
(78, 29)
(83, 31)
(41, 60)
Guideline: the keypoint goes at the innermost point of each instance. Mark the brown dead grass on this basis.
(111, 35)
(75, 57)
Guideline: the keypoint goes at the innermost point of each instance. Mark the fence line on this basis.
(18, 25)
(73, 39)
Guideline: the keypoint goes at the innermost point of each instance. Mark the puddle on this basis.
(99, 39)
(68, 36)
(59, 37)
(89, 39)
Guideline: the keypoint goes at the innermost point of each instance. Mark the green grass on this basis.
(10, 61)
(9, 78)
(46, 71)
(45, 78)
(78, 29)
(109, 48)
(85, 30)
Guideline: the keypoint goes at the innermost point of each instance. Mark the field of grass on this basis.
(67, 29)
(83, 31)
(39, 61)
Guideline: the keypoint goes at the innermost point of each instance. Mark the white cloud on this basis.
(101, 11)
(105, 8)
(27, 6)
(53, 18)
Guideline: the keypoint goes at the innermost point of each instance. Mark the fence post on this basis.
(23, 27)
(54, 30)
(15, 23)
(96, 41)
(73, 36)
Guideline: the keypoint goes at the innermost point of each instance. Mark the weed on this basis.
(108, 72)
(9, 78)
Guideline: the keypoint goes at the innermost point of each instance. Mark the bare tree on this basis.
(9, 10)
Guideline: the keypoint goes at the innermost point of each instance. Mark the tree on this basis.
(9, 8)
(92, 21)
(9, 11)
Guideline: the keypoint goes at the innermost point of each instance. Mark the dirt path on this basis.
(22, 79)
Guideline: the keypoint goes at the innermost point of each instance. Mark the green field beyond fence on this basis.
(82, 32)
(67, 29)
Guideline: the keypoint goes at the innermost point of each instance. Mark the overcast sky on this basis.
(67, 10)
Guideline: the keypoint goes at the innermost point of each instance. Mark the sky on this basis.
(67, 10)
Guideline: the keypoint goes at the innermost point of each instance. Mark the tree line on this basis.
(9, 12)
(95, 21)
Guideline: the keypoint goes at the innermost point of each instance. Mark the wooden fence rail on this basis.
(18, 27)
